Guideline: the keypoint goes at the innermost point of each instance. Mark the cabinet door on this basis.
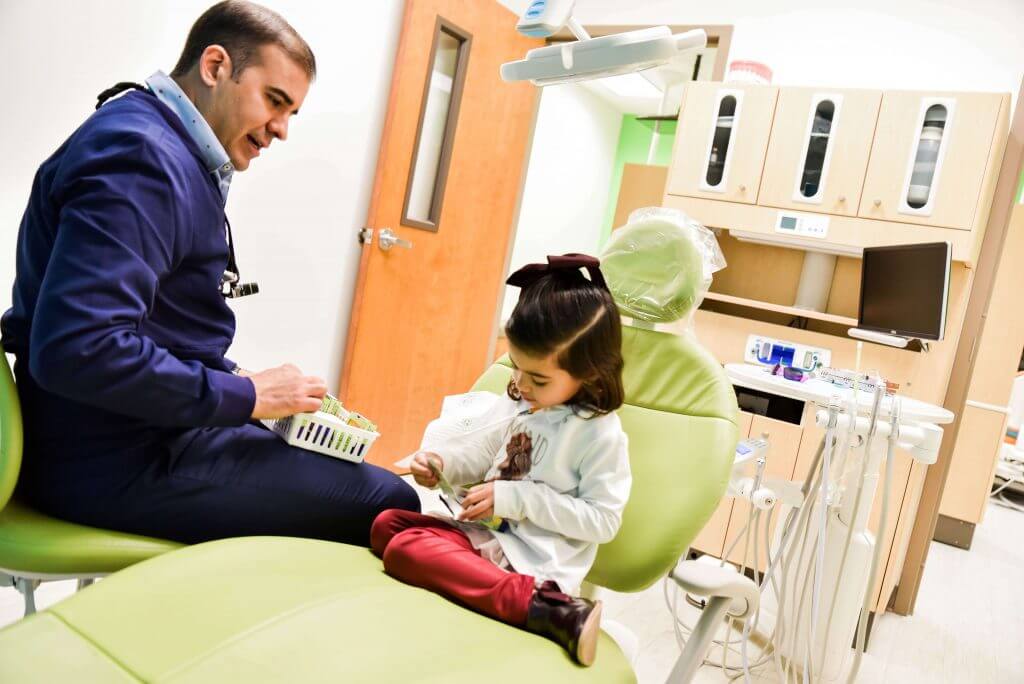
(784, 444)
(721, 141)
(711, 539)
(819, 149)
(970, 470)
(929, 158)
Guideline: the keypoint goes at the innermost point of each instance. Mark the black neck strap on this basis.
(117, 90)
(230, 284)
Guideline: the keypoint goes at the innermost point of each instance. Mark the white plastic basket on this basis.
(325, 434)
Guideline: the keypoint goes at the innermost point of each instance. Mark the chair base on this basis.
(27, 583)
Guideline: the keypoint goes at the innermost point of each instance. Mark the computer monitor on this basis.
(904, 290)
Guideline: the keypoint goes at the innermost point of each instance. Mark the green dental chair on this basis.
(275, 609)
(35, 547)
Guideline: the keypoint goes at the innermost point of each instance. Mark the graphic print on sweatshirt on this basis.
(523, 450)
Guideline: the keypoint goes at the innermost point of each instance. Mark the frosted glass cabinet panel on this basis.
(721, 141)
(929, 157)
(923, 171)
(721, 137)
(819, 150)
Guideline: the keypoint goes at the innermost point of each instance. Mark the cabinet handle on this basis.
(878, 202)
(743, 188)
(842, 198)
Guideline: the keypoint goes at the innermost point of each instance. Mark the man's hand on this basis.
(285, 391)
(479, 503)
(420, 468)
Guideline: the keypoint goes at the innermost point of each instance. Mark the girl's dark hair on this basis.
(241, 28)
(565, 314)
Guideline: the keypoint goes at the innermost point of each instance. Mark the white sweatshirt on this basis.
(564, 493)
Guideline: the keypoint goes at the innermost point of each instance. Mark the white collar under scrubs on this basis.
(214, 155)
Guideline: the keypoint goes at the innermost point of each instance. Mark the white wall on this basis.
(295, 212)
(567, 181)
(911, 44)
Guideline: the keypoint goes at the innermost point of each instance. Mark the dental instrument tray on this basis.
(332, 431)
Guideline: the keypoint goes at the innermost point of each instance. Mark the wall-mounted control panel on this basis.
(768, 351)
(800, 224)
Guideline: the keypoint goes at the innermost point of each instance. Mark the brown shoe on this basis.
(572, 622)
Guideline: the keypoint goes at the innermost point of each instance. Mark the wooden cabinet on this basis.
(997, 355)
(790, 456)
(711, 539)
(784, 440)
(932, 162)
(721, 141)
(819, 149)
(727, 523)
(972, 465)
(931, 158)
(642, 185)
(838, 170)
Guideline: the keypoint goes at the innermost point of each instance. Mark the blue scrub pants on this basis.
(212, 483)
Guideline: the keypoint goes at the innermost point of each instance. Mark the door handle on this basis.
(388, 239)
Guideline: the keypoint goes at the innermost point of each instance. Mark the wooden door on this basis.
(423, 315)
(642, 185)
(721, 141)
(968, 126)
(818, 154)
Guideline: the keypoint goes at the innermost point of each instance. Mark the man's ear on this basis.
(214, 65)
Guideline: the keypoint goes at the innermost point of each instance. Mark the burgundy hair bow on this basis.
(531, 273)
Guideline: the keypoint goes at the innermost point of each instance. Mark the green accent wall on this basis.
(634, 143)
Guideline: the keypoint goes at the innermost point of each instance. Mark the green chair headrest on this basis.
(659, 265)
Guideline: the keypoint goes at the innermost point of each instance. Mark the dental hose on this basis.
(819, 571)
(876, 406)
(794, 519)
(822, 486)
(791, 530)
(803, 522)
(862, 626)
(794, 527)
(758, 479)
(766, 653)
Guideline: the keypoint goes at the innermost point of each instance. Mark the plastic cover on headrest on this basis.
(660, 264)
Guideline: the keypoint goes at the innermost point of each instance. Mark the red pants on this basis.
(427, 552)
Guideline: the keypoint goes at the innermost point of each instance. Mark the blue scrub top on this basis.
(118, 323)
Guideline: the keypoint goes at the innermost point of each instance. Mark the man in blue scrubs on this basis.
(134, 419)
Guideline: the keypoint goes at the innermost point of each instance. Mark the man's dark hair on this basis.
(565, 314)
(241, 28)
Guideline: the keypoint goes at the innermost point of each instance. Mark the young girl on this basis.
(556, 469)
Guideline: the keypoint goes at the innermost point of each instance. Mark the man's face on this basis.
(248, 114)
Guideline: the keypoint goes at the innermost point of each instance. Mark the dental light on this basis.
(589, 58)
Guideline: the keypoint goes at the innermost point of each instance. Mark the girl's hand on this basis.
(421, 471)
(479, 503)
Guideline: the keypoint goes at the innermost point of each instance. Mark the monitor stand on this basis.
(908, 343)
